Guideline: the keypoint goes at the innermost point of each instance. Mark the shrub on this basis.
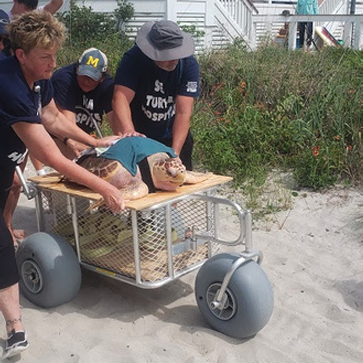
(274, 107)
(104, 31)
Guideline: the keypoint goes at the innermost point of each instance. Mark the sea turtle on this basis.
(119, 166)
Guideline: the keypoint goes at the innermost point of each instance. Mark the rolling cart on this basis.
(154, 241)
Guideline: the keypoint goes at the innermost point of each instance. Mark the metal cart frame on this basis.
(220, 283)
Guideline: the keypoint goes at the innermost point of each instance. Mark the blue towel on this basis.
(129, 151)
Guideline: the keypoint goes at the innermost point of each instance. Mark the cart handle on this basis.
(29, 189)
(245, 222)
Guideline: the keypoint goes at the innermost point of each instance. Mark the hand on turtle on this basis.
(132, 133)
(105, 141)
(76, 147)
(114, 199)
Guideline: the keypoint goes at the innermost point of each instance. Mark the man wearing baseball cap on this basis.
(156, 83)
(83, 93)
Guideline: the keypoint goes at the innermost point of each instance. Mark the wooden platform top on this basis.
(53, 182)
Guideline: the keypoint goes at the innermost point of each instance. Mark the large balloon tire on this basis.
(248, 300)
(50, 274)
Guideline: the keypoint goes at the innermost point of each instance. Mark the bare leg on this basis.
(16, 341)
(11, 204)
(38, 165)
(9, 306)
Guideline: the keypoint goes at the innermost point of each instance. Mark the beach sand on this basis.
(313, 256)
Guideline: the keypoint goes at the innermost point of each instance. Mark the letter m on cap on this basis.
(93, 62)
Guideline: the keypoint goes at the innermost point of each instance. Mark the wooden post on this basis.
(171, 13)
(209, 12)
(292, 35)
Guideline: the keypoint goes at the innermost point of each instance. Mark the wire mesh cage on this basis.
(148, 245)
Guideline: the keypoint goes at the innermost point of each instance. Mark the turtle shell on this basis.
(111, 171)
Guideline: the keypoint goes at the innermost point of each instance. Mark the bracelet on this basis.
(65, 140)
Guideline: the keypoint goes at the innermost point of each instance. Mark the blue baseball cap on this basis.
(93, 63)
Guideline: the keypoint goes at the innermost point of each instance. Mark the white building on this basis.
(222, 21)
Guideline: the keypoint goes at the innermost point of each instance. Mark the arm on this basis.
(42, 147)
(122, 120)
(53, 6)
(114, 125)
(75, 146)
(183, 113)
(56, 123)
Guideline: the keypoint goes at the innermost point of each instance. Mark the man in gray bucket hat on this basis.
(156, 83)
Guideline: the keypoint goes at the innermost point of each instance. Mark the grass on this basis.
(281, 109)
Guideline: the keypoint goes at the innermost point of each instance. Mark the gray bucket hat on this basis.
(164, 41)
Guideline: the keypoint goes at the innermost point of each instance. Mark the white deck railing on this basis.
(334, 7)
(352, 33)
(235, 16)
(225, 20)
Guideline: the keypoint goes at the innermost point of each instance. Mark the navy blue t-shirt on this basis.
(69, 96)
(153, 107)
(18, 103)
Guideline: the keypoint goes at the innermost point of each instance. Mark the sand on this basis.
(312, 256)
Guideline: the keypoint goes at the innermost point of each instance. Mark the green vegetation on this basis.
(276, 108)
(258, 111)
(104, 31)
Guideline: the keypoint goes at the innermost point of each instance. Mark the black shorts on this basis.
(8, 270)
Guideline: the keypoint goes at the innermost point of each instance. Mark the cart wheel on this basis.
(50, 274)
(247, 302)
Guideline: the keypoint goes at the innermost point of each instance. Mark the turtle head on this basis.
(167, 173)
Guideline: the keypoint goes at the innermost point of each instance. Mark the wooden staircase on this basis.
(234, 18)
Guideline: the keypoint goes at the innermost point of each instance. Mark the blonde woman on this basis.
(27, 113)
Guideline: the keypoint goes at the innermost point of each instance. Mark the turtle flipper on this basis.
(130, 193)
(135, 191)
(194, 177)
